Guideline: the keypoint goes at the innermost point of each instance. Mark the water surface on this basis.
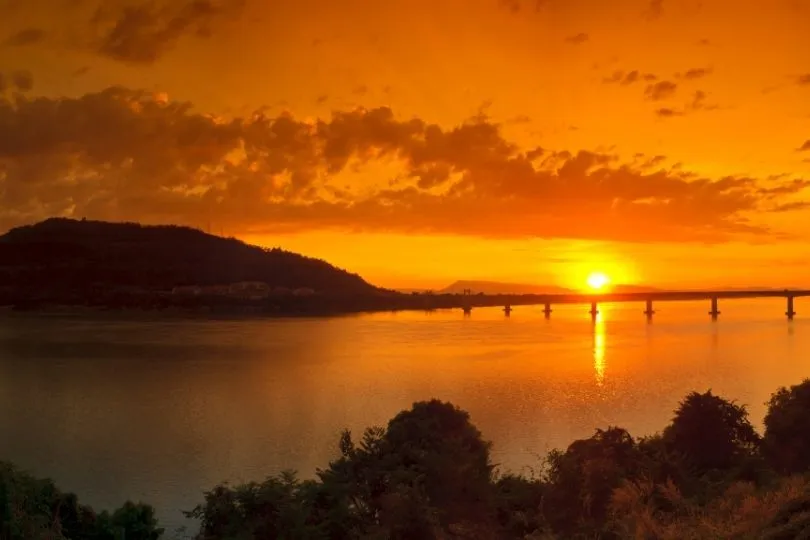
(159, 410)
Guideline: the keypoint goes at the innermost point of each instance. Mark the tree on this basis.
(437, 442)
(583, 478)
(711, 432)
(786, 444)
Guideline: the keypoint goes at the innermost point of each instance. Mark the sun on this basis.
(597, 281)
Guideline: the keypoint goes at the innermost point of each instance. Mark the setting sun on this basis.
(597, 281)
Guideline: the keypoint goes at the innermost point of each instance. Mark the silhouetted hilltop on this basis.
(496, 287)
(66, 254)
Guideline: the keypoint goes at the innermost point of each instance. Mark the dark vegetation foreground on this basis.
(428, 475)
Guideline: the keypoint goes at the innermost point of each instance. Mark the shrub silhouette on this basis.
(786, 444)
(711, 432)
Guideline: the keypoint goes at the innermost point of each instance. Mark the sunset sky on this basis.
(417, 142)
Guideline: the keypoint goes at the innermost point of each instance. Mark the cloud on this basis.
(805, 147)
(630, 77)
(577, 39)
(655, 9)
(133, 155)
(129, 31)
(791, 206)
(512, 5)
(28, 36)
(516, 6)
(666, 112)
(803, 80)
(698, 103)
(22, 80)
(660, 90)
(697, 73)
(142, 33)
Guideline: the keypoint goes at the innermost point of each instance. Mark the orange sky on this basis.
(417, 142)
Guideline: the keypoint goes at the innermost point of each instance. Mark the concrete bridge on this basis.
(470, 301)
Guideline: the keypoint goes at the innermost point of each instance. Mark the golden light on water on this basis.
(599, 345)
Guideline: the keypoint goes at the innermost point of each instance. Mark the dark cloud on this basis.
(803, 79)
(666, 112)
(22, 80)
(791, 206)
(577, 39)
(629, 77)
(142, 33)
(121, 154)
(519, 119)
(786, 188)
(512, 5)
(360, 90)
(700, 102)
(697, 73)
(3, 83)
(655, 9)
(660, 90)
(805, 147)
(28, 36)
(516, 6)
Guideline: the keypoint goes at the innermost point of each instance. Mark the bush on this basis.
(711, 432)
(34, 509)
(786, 444)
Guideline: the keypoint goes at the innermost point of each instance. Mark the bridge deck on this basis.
(656, 296)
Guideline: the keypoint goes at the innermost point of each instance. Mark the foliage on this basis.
(742, 511)
(786, 444)
(582, 478)
(711, 433)
(34, 509)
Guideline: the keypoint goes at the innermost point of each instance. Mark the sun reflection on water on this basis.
(599, 349)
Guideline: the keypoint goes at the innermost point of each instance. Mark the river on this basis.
(159, 410)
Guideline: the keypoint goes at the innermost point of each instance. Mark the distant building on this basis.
(254, 290)
(303, 291)
(191, 290)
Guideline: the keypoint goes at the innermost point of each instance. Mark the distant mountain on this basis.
(495, 287)
(65, 254)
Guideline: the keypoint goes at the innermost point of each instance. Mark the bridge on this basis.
(470, 301)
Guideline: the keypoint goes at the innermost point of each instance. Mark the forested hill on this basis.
(69, 254)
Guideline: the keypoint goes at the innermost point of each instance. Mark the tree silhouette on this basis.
(711, 432)
(786, 444)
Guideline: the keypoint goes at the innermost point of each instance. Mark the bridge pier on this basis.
(547, 310)
(649, 312)
(507, 310)
(467, 310)
(790, 312)
(594, 310)
(714, 312)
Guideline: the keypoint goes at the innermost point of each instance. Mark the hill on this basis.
(495, 287)
(64, 254)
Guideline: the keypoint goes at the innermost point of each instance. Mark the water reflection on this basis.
(599, 349)
(162, 410)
